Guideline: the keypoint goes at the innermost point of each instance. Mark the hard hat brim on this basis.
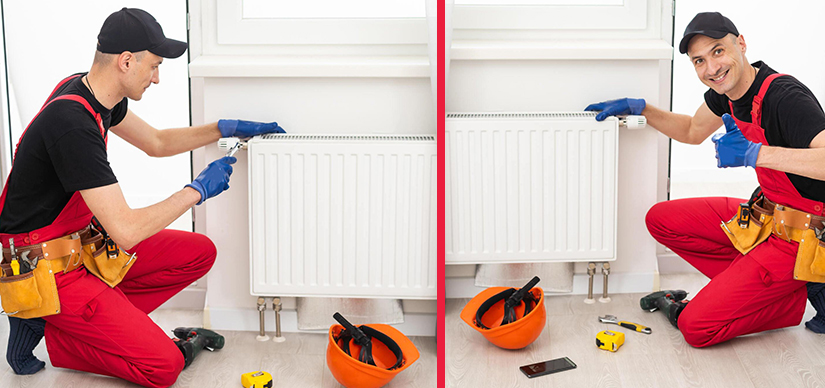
(515, 335)
(353, 373)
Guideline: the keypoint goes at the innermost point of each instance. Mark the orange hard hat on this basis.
(509, 318)
(367, 356)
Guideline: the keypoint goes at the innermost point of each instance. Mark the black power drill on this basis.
(191, 340)
(670, 302)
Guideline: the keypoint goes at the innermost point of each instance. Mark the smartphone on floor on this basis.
(547, 367)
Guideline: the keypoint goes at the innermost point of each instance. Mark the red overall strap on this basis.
(67, 79)
(76, 206)
(775, 184)
(756, 110)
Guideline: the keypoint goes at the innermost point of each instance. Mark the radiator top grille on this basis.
(295, 137)
(536, 115)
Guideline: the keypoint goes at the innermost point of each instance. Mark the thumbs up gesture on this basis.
(732, 148)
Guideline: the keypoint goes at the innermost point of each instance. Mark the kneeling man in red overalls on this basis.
(79, 265)
(760, 253)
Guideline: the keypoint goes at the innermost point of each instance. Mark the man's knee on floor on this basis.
(696, 334)
(163, 370)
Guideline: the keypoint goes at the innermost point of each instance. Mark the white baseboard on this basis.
(238, 319)
(671, 263)
(187, 299)
(618, 283)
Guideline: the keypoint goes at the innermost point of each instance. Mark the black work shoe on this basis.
(817, 298)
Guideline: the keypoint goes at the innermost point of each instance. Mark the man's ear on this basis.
(740, 41)
(124, 60)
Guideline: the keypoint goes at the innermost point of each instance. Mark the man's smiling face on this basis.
(720, 63)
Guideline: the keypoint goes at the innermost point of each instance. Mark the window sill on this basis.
(561, 49)
(209, 66)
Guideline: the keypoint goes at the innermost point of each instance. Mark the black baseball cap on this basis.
(132, 29)
(711, 24)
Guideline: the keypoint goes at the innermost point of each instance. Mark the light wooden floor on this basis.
(298, 362)
(791, 357)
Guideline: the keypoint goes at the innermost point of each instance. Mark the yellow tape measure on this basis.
(259, 379)
(609, 340)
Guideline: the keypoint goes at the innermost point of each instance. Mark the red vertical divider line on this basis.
(440, 116)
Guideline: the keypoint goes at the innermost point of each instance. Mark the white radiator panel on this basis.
(530, 187)
(343, 216)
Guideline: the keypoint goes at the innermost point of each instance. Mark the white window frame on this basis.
(632, 15)
(537, 2)
(234, 29)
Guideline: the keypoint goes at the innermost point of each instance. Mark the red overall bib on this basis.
(747, 293)
(106, 330)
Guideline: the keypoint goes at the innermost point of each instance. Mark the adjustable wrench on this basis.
(632, 326)
(234, 149)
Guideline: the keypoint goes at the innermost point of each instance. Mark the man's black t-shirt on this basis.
(62, 152)
(791, 117)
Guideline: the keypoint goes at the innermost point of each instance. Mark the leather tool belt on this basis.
(62, 250)
(32, 292)
(788, 224)
(760, 218)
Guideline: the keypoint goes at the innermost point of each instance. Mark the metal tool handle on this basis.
(234, 149)
(230, 145)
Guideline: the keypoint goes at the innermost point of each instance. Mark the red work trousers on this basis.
(106, 330)
(747, 293)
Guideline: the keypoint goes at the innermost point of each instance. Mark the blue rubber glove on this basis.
(214, 179)
(241, 128)
(732, 148)
(622, 106)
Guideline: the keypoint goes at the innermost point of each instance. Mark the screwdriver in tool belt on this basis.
(628, 325)
(15, 265)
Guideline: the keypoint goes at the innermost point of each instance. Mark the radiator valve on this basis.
(633, 122)
(230, 145)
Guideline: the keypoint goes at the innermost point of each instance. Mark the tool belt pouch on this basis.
(744, 239)
(19, 293)
(32, 294)
(109, 268)
(818, 265)
(810, 259)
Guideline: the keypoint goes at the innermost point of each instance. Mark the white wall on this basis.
(565, 69)
(306, 89)
(48, 40)
(786, 36)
